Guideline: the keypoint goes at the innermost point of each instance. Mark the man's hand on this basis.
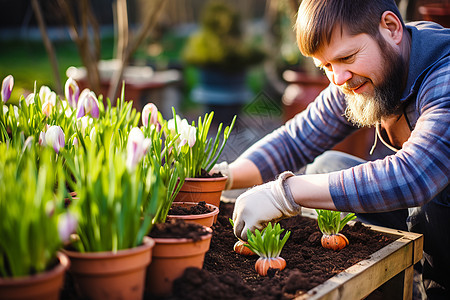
(262, 204)
(225, 170)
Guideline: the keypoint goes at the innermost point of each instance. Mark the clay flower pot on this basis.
(171, 256)
(43, 286)
(108, 275)
(202, 189)
(206, 219)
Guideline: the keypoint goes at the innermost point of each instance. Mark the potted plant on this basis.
(116, 205)
(222, 55)
(199, 154)
(33, 222)
(330, 224)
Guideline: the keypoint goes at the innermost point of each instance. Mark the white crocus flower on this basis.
(137, 147)
(30, 99)
(54, 137)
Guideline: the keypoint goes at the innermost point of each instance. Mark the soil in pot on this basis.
(198, 209)
(228, 275)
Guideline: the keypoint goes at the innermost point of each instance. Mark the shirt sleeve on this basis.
(415, 174)
(316, 129)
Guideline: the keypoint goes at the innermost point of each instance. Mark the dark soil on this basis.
(205, 174)
(176, 228)
(228, 275)
(198, 209)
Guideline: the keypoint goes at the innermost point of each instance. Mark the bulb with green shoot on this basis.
(268, 245)
(330, 224)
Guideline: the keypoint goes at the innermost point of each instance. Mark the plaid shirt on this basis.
(412, 176)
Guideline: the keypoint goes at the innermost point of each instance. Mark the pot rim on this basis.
(200, 216)
(147, 242)
(184, 240)
(223, 178)
(64, 264)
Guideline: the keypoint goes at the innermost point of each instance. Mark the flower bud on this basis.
(71, 91)
(44, 91)
(7, 86)
(29, 99)
(137, 147)
(55, 137)
(149, 114)
(87, 104)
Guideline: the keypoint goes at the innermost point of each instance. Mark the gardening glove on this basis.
(225, 170)
(269, 202)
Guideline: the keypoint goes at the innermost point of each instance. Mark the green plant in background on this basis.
(33, 221)
(220, 42)
(116, 202)
(268, 245)
(198, 152)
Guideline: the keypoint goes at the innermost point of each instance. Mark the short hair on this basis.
(316, 20)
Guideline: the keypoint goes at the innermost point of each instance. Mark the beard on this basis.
(368, 109)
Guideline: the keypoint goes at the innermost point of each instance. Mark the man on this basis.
(384, 74)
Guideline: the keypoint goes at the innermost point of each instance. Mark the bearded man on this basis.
(385, 74)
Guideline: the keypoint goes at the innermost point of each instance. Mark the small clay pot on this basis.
(42, 286)
(206, 219)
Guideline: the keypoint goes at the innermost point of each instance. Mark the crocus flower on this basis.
(54, 137)
(187, 133)
(29, 99)
(48, 101)
(71, 91)
(150, 114)
(44, 91)
(137, 147)
(67, 224)
(7, 86)
(87, 104)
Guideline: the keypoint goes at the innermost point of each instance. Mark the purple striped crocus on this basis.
(72, 92)
(53, 137)
(7, 86)
(87, 104)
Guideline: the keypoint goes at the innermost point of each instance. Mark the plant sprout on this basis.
(268, 245)
(330, 224)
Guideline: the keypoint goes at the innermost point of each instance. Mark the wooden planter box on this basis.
(388, 271)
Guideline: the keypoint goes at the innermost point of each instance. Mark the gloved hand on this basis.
(225, 170)
(269, 202)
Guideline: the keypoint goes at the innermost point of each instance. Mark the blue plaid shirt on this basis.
(412, 176)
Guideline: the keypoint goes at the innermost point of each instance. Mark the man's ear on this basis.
(391, 27)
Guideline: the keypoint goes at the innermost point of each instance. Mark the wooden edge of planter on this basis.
(366, 276)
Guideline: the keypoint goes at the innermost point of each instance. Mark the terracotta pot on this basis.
(45, 286)
(170, 258)
(108, 275)
(202, 189)
(203, 219)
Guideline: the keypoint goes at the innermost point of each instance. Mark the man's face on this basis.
(369, 73)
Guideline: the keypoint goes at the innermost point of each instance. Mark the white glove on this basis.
(225, 170)
(269, 202)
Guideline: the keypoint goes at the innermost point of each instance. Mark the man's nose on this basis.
(341, 75)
